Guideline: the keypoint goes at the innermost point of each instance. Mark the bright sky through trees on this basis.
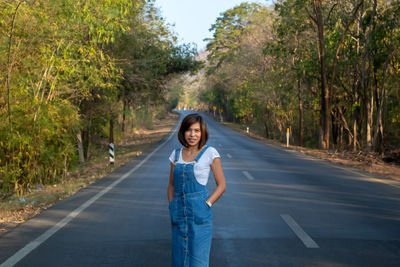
(193, 18)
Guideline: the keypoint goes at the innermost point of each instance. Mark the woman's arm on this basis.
(170, 191)
(219, 176)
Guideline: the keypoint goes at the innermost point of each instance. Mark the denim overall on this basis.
(191, 218)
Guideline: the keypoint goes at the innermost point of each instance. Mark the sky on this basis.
(193, 18)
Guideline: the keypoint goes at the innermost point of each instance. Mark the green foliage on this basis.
(228, 29)
(72, 65)
(264, 65)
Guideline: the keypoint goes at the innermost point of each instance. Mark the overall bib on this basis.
(191, 218)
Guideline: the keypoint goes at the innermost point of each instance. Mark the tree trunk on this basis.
(380, 100)
(355, 108)
(354, 134)
(267, 134)
(111, 136)
(340, 143)
(325, 107)
(368, 98)
(10, 65)
(370, 109)
(80, 147)
(335, 126)
(300, 95)
(356, 84)
(266, 129)
(86, 138)
(123, 116)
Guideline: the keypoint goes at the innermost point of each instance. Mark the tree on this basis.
(70, 71)
(332, 60)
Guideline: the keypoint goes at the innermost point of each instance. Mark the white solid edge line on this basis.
(304, 237)
(248, 175)
(20, 254)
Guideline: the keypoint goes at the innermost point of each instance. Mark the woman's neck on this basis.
(194, 148)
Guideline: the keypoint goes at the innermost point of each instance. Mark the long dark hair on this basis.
(187, 122)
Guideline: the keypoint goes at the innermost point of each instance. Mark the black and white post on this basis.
(111, 152)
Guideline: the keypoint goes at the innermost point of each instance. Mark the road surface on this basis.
(281, 208)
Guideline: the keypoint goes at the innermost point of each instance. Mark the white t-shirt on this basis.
(202, 167)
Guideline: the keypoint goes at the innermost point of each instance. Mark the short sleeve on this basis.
(213, 153)
(172, 156)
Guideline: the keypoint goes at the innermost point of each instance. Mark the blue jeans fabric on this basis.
(191, 218)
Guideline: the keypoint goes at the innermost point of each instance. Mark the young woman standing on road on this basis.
(189, 200)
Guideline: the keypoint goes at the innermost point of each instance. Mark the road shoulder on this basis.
(15, 211)
(368, 162)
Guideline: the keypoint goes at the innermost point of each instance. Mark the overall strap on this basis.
(176, 155)
(201, 153)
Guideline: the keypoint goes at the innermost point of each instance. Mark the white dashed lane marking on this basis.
(229, 155)
(248, 175)
(304, 237)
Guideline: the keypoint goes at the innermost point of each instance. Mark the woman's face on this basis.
(193, 134)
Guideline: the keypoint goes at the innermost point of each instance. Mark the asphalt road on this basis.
(280, 208)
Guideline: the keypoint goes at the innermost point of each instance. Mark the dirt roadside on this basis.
(14, 210)
(370, 162)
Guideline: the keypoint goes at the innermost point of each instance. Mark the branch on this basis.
(344, 123)
(330, 11)
(344, 86)
(335, 59)
(310, 88)
(311, 17)
(8, 78)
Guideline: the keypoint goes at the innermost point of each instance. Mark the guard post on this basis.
(111, 153)
(287, 137)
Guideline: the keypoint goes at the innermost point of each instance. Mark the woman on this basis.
(190, 202)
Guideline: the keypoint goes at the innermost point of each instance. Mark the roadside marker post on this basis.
(111, 153)
(287, 137)
(247, 130)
